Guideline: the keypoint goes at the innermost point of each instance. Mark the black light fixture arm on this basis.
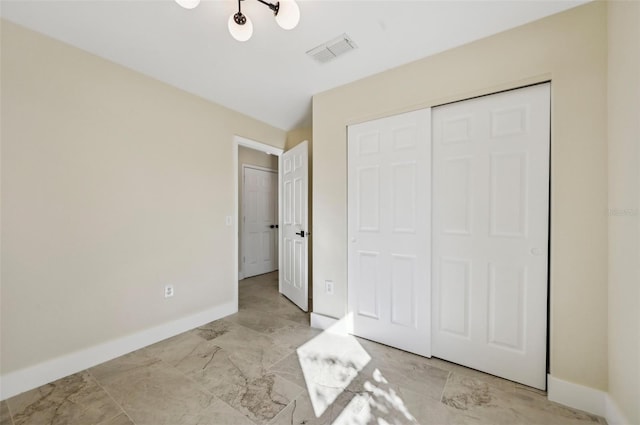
(241, 27)
(274, 7)
(240, 19)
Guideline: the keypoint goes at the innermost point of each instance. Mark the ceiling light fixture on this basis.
(188, 4)
(286, 12)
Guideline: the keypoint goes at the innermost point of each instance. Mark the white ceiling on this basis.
(269, 77)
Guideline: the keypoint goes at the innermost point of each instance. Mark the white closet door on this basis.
(389, 215)
(260, 209)
(490, 233)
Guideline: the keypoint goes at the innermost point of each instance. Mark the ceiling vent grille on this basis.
(332, 49)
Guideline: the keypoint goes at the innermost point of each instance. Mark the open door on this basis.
(294, 235)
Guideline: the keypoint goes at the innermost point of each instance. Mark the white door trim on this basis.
(241, 226)
(247, 143)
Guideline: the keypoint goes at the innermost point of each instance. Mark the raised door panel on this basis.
(388, 223)
(491, 210)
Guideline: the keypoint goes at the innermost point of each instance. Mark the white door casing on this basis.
(260, 217)
(294, 171)
(490, 233)
(389, 230)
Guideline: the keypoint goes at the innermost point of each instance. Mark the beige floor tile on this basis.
(260, 299)
(262, 321)
(76, 399)
(215, 329)
(300, 412)
(414, 375)
(426, 410)
(121, 419)
(152, 392)
(252, 349)
(5, 416)
(174, 349)
(294, 336)
(483, 402)
(261, 399)
(289, 368)
(243, 384)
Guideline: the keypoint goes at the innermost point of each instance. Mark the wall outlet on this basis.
(328, 287)
(168, 291)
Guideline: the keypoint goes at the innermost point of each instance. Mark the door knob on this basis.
(301, 233)
(273, 226)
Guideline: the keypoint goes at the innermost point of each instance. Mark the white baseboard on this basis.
(614, 415)
(320, 321)
(17, 382)
(577, 396)
(342, 326)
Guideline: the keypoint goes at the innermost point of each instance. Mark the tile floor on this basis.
(264, 365)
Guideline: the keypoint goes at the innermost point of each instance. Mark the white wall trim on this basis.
(577, 396)
(614, 415)
(320, 321)
(328, 324)
(17, 382)
(262, 147)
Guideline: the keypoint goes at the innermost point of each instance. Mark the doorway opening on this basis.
(258, 213)
(259, 162)
(285, 232)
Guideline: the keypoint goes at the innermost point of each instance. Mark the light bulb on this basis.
(240, 32)
(288, 15)
(188, 4)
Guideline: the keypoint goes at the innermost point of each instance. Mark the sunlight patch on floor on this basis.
(330, 363)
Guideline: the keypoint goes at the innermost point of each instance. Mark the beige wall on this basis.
(248, 156)
(624, 207)
(569, 49)
(113, 185)
(298, 135)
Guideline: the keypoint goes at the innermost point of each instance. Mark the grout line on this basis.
(10, 414)
(111, 397)
(449, 375)
(201, 387)
(204, 389)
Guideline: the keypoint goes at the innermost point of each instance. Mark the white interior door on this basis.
(294, 166)
(389, 236)
(490, 233)
(260, 210)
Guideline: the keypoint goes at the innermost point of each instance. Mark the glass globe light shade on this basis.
(288, 15)
(188, 4)
(240, 32)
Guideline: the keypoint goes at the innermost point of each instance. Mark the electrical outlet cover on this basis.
(329, 286)
(168, 291)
